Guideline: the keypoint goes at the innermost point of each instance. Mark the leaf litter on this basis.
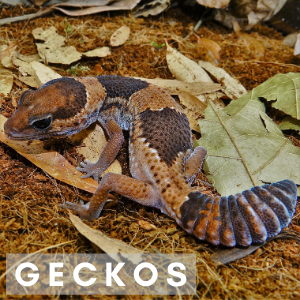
(272, 271)
(245, 147)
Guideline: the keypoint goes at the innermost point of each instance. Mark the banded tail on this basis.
(245, 218)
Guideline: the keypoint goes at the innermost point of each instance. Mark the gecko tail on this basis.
(245, 218)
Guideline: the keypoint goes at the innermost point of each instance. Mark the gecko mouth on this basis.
(24, 137)
(15, 134)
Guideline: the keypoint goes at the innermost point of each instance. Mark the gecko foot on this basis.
(81, 209)
(90, 169)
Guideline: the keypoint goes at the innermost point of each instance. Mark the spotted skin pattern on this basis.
(163, 163)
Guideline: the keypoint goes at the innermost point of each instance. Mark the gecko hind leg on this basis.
(131, 188)
(193, 164)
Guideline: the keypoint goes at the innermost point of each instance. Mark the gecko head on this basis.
(58, 108)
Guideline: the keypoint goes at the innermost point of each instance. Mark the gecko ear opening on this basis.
(42, 124)
(22, 98)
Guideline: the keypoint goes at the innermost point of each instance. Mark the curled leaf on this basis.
(232, 88)
(184, 68)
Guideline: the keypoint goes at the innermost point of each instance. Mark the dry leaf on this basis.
(297, 45)
(58, 55)
(33, 73)
(213, 49)
(29, 58)
(120, 36)
(214, 3)
(193, 108)
(233, 89)
(290, 40)
(230, 255)
(93, 7)
(49, 36)
(213, 97)
(16, 2)
(94, 142)
(43, 73)
(153, 8)
(51, 162)
(6, 81)
(32, 81)
(236, 27)
(84, 3)
(255, 11)
(52, 50)
(116, 5)
(184, 68)
(27, 73)
(264, 11)
(256, 47)
(7, 62)
(24, 66)
(175, 87)
(112, 247)
(98, 52)
(187, 70)
(6, 51)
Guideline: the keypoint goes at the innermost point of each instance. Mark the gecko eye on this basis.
(43, 123)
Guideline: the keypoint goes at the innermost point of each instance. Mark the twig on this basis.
(266, 62)
(26, 17)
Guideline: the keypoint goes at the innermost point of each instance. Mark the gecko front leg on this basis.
(131, 188)
(108, 154)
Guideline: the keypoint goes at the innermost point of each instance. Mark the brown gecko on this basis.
(163, 163)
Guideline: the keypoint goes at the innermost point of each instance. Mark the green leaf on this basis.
(245, 147)
(289, 123)
(285, 89)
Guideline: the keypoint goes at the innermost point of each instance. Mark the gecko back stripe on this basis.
(118, 86)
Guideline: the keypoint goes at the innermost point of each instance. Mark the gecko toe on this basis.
(81, 209)
(90, 169)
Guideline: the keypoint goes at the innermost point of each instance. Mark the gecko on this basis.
(162, 161)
